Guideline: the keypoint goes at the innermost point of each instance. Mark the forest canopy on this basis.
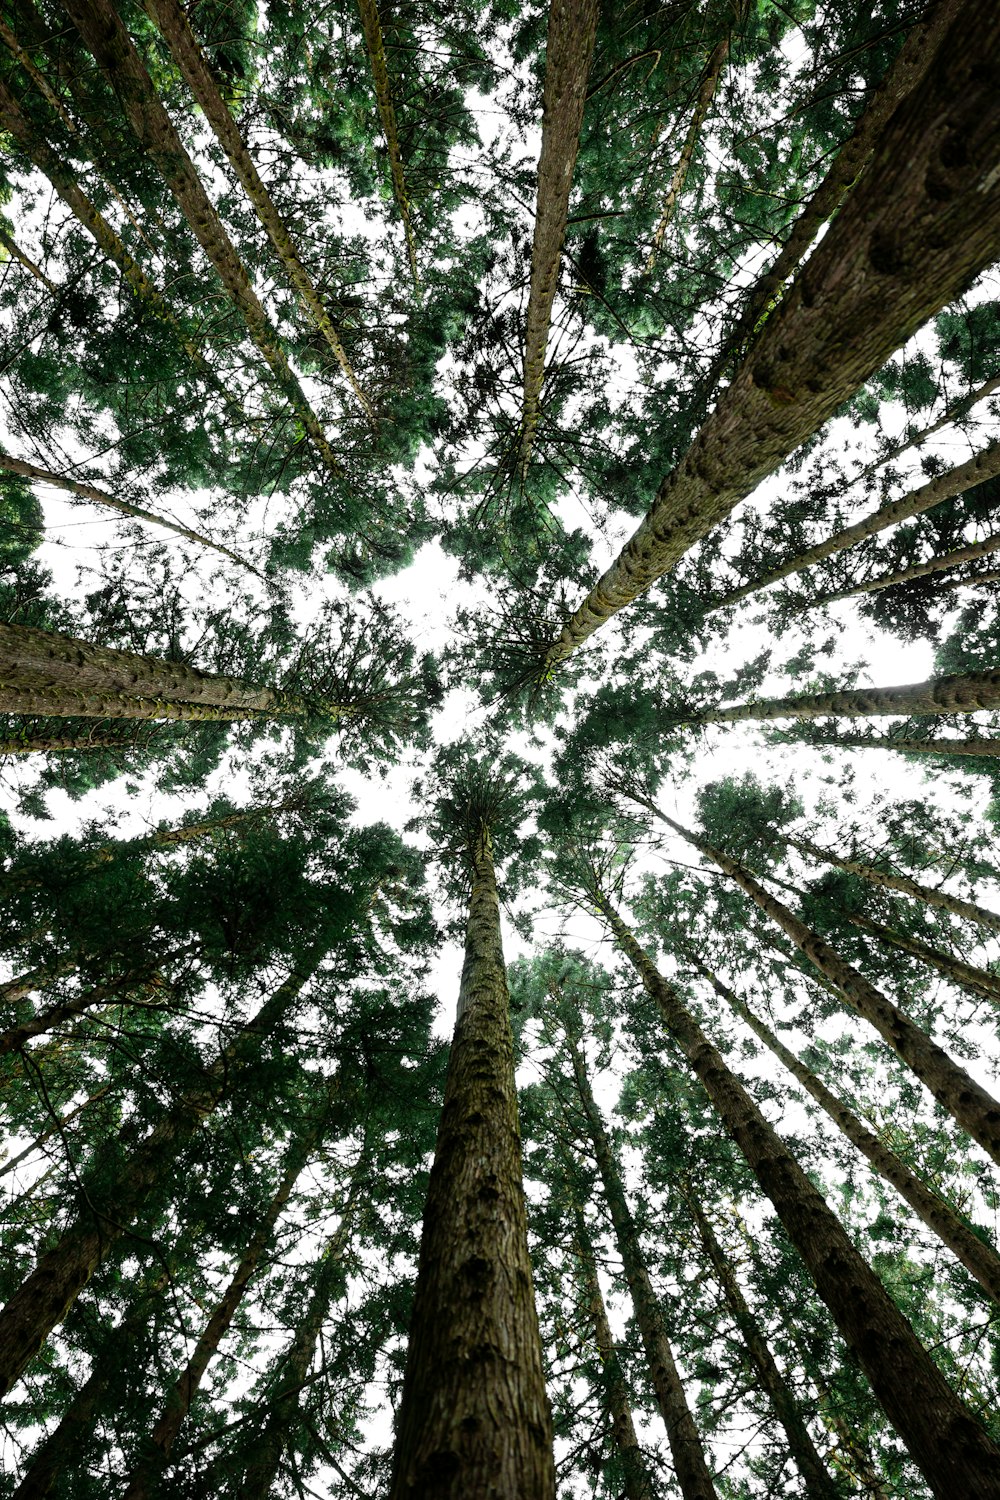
(500, 750)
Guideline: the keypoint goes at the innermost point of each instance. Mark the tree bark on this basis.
(948, 1445)
(694, 1478)
(107, 39)
(34, 979)
(942, 900)
(568, 50)
(637, 1484)
(706, 93)
(940, 563)
(15, 1037)
(917, 502)
(966, 693)
(16, 253)
(50, 1290)
(187, 54)
(124, 507)
(978, 1257)
(372, 28)
(815, 1476)
(921, 222)
(474, 1420)
(966, 1101)
(966, 976)
(143, 1477)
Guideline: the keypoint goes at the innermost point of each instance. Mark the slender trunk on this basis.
(908, 70)
(978, 1257)
(568, 51)
(921, 222)
(815, 1476)
(56, 1129)
(124, 507)
(14, 1039)
(261, 1472)
(187, 54)
(942, 900)
(73, 677)
(474, 1420)
(940, 563)
(917, 502)
(50, 1290)
(948, 1445)
(970, 1105)
(706, 93)
(966, 693)
(694, 1478)
(976, 747)
(637, 1484)
(14, 250)
(64, 1443)
(372, 28)
(143, 1476)
(107, 39)
(89, 739)
(15, 123)
(851, 1457)
(966, 976)
(34, 979)
(971, 580)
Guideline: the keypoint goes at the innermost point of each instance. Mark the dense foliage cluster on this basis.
(474, 458)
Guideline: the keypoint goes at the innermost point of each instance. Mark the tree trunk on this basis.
(107, 39)
(157, 1448)
(921, 222)
(694, 1478)
(942, 900)
(474, 1420)
(637, 1484)
(970, 1105)
(966, 976)
(91, 739)
(56, 1128)
(706, 93)
(187, 54)
(815, 1477)
(261, 1472)
(34, 979)
(978, 1257)
(14, 1039)
(940, 563)
(966, 693)
(989, 747)
(372, 28)
(568, 51)
(948, 1445)
(124, 507)
(908, 70)
(50, 1290)
(16, 124)
(16, 253)
(917, 502)
(971, 580)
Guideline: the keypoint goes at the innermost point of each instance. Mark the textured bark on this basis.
(693, 1476)
(958, 694)
(978, 1258)
(372, 28)
(938, 898)
(568, 49)
(940, 563)
(971, 580)
(16, 124)
(908, 70)
(815, 1476)
(636, 1483)
(50, 1290)
(922, 221)
(706, 93)
(942, 487)
(187, 54)
(70, 677)
(143, 1478)
(34, 979)
(474, 1421)
(262, 1468)
(946, 1442)
(92, 739)
(966, 976)
(970, 1105)
(111, 502)
(106, 38)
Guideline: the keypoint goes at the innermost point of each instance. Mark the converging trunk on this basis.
(960, 693)
(706, 93)
(967, 976)
(946, 1442)
(923, 219)
(372, 28)
(694, 1478)
(474, 1419)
